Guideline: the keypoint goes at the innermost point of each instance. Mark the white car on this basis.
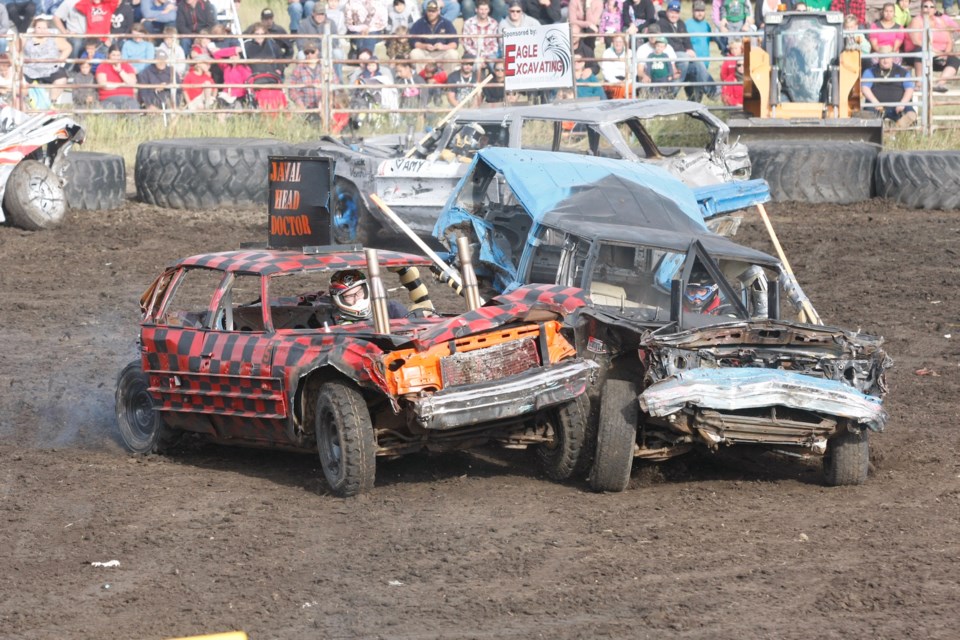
(415, 179)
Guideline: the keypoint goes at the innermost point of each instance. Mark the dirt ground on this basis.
(467, 546)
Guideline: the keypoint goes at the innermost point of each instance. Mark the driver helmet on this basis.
(702, 297)
(351, 295)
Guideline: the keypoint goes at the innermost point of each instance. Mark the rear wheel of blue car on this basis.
(345, 439)
(847, 460)
(616, 436)
(141, 426)
(567, 426)
(352, 223)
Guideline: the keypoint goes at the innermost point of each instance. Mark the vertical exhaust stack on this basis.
(378, 295)
(471, 289)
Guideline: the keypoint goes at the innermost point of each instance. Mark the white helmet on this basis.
(349, 291)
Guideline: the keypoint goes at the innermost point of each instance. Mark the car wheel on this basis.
(616, 436)
(568, 422)
(34, 197)
(141, 426)
(345, 439)
(847, 459)
(352, 223)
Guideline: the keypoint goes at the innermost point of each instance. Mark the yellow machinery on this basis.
(801, 83)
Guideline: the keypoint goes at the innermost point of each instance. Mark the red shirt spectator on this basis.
(98, 14)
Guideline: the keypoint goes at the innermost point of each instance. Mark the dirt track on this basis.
(460, 546)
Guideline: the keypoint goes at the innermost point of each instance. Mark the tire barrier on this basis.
(197, 173)
(920, 179)
(821, 173)
(95, 181)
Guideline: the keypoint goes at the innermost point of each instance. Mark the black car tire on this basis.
(196, 173)
(95, 181)
(345, 439)
(847, 460)
(616, 436)
(33, 198)
(141, 426)
(825, 172)
(558, 458)
(920, 179)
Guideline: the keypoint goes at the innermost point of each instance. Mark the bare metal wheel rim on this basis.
(45, 196)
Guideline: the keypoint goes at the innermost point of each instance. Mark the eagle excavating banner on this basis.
(537, 57)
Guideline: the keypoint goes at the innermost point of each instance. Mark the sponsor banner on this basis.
(538, 57)
(301, 202)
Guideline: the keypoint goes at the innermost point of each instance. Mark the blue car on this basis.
(703, 342)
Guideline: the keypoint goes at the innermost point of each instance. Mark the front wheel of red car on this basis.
(345, 439)
(616, 436)
(568, 425)
(847, 460)
(141, 427)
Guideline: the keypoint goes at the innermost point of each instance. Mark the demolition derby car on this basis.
(300, 350)
(415, 179)
(33, 161)
(686, 323)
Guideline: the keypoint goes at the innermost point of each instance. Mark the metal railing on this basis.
(340, 98)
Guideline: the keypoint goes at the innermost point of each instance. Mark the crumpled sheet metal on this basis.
(732, 389)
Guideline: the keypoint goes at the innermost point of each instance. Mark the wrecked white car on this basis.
(33, 161)
(686, 324)
(416, 178)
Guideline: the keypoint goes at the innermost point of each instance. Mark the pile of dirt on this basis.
(469, 546)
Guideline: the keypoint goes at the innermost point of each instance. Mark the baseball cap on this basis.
(161, 54)
(699, 6)
(320, 7)
(515, 3)
(432, 5)
(266, 14)
(660, 40)
(673, 5)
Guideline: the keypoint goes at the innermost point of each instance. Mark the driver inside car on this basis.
(350, 293)
(702, 296)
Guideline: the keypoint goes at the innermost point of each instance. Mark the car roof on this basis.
(542, 180)
(610, 200)
(272, 261)
(593, 111)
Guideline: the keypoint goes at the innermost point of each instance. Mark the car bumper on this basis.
(506, 398)
(720, 396)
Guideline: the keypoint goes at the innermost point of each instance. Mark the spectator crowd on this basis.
(410, 54)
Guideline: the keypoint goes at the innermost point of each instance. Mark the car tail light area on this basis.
(477, 358)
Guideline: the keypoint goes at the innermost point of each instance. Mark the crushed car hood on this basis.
(731, 389)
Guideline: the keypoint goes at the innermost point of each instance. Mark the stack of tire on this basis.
(197, 173)
(34, 198)
(849, 172)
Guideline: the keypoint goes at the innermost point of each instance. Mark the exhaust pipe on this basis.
(676, 301)
(378, 295)
(471, 289)
(773, 299)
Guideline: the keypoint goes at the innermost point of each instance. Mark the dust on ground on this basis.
(467, 546)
